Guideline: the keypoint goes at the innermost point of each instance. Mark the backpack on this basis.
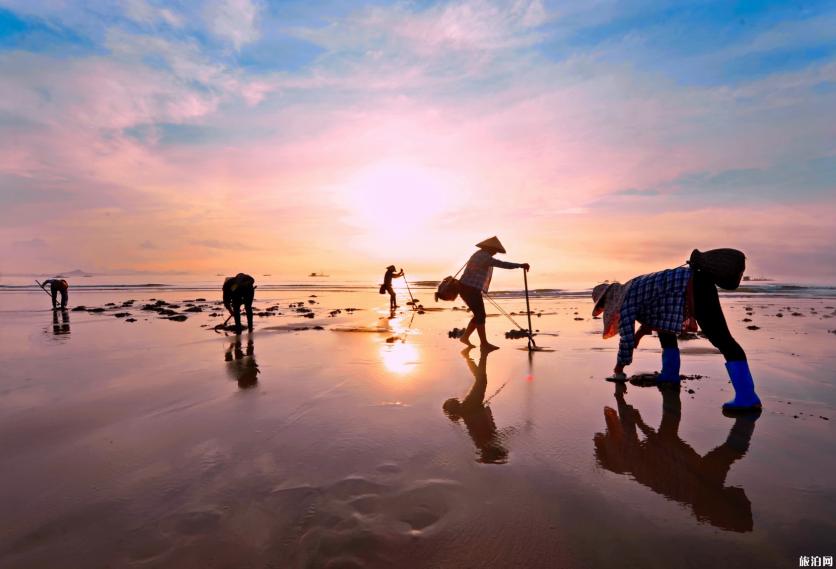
(724, 266)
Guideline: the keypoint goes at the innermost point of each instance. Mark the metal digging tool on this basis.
(412, 298)
(43, 289)
(531, 344)
(220, 326)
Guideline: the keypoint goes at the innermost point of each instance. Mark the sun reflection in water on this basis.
(399, 357)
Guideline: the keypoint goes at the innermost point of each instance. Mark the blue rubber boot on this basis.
(670, 365)
(745, 398)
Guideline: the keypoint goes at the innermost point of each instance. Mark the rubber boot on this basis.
(670, 365)
(745, 398)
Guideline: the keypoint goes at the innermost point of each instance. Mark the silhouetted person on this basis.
(475, 281)
(477, 415)
(387, 285)
(241, 366)
(671, 467)
(239, 290)
(59, 329)
(57, 286)
(669, 302)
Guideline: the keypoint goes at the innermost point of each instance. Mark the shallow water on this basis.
(164, 444)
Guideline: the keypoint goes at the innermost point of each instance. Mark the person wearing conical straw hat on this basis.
(670, 302)
(476, 280)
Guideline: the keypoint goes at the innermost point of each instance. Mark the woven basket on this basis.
(448, 289)
(725, 266)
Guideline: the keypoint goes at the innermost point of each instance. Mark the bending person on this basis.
(239, 290)
(56, 286)
(476, 280)
(668, 302)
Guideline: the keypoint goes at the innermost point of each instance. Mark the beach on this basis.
(321, 441)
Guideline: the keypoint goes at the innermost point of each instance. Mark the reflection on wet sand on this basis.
(398, 356)
(671, 467)
(476, 413)
(62, 328)
(241, 366)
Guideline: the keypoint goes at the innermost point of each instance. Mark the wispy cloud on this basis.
(413, 127)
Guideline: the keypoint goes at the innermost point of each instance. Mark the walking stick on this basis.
(531, 343)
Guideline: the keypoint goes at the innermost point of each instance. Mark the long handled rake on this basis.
(412, 298)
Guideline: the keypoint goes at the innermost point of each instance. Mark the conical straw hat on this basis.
(492, 244)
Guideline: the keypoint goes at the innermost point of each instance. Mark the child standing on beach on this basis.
(387, 285)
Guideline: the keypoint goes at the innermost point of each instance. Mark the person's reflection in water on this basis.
(241, 366)
(476, 415)
(62, 328)
(669, 466)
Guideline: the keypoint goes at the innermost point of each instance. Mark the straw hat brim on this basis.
(610, 304)
(492, 244)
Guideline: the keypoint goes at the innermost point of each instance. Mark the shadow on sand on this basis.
(240, 365)
(671, 467)
(476, 414)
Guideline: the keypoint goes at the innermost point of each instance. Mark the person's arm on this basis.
(508, 265)
(400, 274)
(627, 336)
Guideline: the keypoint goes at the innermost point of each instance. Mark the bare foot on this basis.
(466, 342)
(488, 347)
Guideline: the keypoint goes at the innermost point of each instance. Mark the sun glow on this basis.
(398, 204)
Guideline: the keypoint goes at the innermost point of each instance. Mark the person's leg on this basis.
(465, 339)
(64, 298)
(236, 312)
(54, 292)
(483, 338)
(480, 316)
(469, 296)
(709, 315)
(670, 357)
(248, 307)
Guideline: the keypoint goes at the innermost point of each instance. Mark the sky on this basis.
(599, 139)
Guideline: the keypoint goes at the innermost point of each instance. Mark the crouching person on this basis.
(57, 286)
(670, 302)
(239, 290)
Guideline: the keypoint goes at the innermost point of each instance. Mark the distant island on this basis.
(317, 275)
(756, 279)
(75, 273)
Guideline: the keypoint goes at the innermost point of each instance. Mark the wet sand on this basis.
(160, 443)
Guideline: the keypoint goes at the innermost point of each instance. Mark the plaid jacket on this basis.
(656, 300)
(479, 270)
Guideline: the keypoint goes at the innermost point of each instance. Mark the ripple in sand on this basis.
(196, 523)
(389, 468)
